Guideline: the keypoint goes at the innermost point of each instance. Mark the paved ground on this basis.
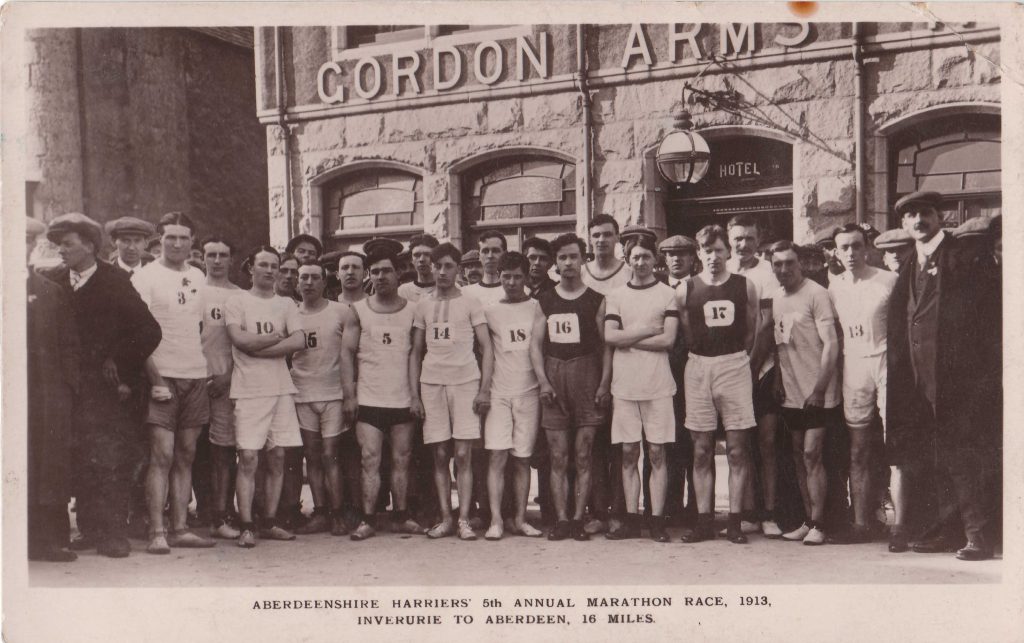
(394, 560)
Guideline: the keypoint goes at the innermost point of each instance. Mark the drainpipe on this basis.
(858, 123)
(279, 76)
(588, 121)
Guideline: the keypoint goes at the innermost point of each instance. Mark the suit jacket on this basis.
(53, 380)
(964, 336)
(113, 322)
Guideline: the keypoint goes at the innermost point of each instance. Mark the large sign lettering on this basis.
(489, 62)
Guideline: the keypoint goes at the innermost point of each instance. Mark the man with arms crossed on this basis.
(805, 335)
(514, 416)
(860, 296)
(316, 372)
(448, 389)
(217, 253)
(376, 344)
(262, 388)
(179, 404)
(719, 315)
(574, 383)
(641, 322)
(744, 238)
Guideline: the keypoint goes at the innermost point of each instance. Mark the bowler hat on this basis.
(130, 225)
(920, 197)
(86, 228)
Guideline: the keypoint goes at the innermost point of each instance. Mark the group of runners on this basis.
(616, 381)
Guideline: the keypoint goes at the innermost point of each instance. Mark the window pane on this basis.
(540, 210)
(393, 219)
(417, 215)
(941, 183)
(543, 168)
(358, 183)
(569, 202)
(959, 157)
(526, 189)
(905, 181)
(353, 223)
(906, 156)
(498, 212)
(950, 214)
(984, 207)
(381, 201)
(503, 171)
(398, 181)
(984, 180)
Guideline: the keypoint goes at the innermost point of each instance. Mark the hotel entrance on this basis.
(748, 175)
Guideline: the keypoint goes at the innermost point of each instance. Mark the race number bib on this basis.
(215, 316)
(440, 335)
(858, 333)
(564, 328)
(783, 328)
(389, 337)
(514, 339)
(719, 312)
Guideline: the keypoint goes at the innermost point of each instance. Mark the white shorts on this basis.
(719, 386)
(266, 422)
(222, 421)
(652, 419)
(324, 418)
(512, 423)
(864, 381)
(449, 412)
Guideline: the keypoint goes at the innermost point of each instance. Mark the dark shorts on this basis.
(764, 394)
(575, 382)
(814, 418)
(383, 418)
(188, 407)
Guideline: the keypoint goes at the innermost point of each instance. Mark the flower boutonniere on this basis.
(934, 270)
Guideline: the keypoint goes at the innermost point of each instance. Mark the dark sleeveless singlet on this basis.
(581, 312)
(717, 315)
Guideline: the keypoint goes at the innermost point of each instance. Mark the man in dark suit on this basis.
(940, 329)
(52, 383)
(116, 334)
(129, 236)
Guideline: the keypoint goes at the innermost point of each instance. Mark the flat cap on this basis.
(331, 258)
(678, 243)
(470, 257)
(825, 238)
(34, 227)
(914, 198)
(86, 228)
(304, 238)
(893, 239)
(974, 227)
(382, 244)
(637, 231)
(130, 225)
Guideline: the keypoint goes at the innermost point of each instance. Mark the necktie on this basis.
(76, 278)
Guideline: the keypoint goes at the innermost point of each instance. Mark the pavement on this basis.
(403, 560)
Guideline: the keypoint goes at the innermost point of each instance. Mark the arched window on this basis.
(522, 196)
(958, 157)
(372, 201)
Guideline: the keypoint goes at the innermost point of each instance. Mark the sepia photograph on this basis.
(571, 321)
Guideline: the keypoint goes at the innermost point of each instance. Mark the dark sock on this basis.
(400, 515)
(750, 515)
(734, 520)
(247, 525)
(705, 520)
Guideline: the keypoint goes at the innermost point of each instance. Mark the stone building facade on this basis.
(533, 129)
(145, 121)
